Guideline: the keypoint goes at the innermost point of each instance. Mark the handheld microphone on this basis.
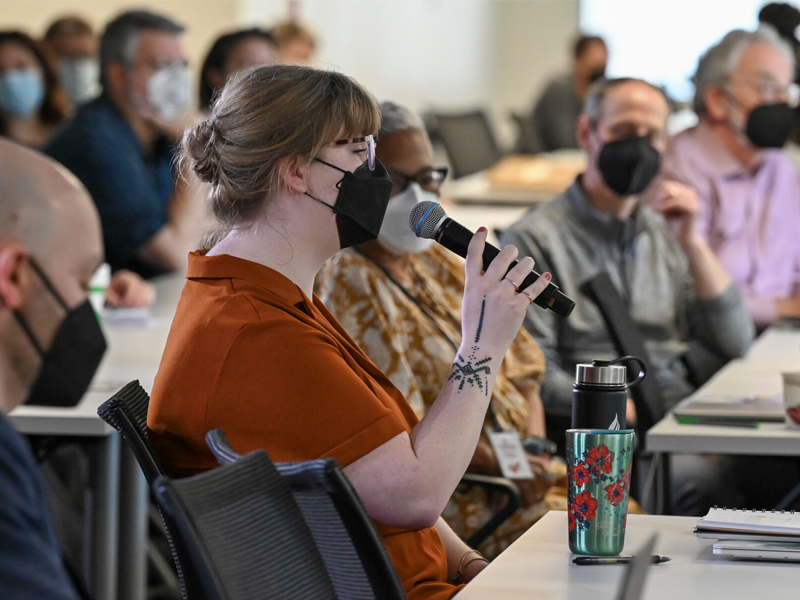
(428, 220)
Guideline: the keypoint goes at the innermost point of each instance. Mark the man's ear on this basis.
(583, 131)
(292, 173)
(716, 104)
(13, 278)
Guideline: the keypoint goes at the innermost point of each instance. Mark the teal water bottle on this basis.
(599, 469)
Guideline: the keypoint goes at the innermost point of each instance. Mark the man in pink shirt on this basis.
(749, 191)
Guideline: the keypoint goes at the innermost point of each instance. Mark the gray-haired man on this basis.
(683, 302)
(121, 145)
(749, 191)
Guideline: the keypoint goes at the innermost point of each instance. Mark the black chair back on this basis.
(344, 534)
(126, 411)
(469, 141)
(245, 535)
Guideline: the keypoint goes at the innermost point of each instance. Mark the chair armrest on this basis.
(503, 486)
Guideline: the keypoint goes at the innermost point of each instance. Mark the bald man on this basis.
(50, 348)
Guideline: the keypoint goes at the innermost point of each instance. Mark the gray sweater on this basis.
(688, 338)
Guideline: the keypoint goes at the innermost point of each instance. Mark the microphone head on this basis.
(425, 217)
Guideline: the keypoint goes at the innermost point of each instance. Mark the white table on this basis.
(477, 189)
(759, 374)
(116, 515)
(539, 566)
(492, 217)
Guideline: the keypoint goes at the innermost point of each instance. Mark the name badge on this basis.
(510, 455)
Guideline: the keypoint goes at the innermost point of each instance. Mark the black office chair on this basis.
(527, 137)
(126, 411)
(245, 535)
(629, 340)
(345, 537)
(468, 140)
(500, 485)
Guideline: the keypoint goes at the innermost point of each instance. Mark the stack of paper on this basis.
(753, 535)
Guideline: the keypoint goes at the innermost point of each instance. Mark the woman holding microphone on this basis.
(290, 159)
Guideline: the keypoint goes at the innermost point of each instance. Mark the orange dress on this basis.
(249, 353)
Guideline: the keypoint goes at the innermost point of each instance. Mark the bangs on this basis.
(350, 112)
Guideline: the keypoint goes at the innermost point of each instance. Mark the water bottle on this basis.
(600, 395)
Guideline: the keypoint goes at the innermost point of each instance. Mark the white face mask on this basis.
(395, 235)
(80, 78)
(169, 91)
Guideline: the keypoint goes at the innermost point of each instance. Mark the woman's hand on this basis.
(492, 311)
(533, 490)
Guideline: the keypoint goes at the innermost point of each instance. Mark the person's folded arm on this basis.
(557, 383)
(168, 249)
(717, 315)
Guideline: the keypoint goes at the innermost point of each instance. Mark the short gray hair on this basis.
(121, 37)
(718, 63)
(593, 104)
(398, 118)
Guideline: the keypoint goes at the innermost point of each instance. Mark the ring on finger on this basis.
(516, 287)
(527, 295)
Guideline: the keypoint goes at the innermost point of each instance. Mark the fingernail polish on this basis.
(547, 276)
(482, 229)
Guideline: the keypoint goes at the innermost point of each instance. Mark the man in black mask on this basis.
(551, 124)
(50, 347)
(749, 191)
(688, 311)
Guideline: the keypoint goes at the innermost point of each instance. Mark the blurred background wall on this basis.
(447, 54)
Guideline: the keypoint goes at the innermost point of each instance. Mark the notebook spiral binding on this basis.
(753, 510)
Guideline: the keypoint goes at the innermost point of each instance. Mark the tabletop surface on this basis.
(518, 180)
(758, 374)
(134, 352)
(539, 566)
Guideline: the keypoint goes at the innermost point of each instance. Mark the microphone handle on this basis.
(455, 237)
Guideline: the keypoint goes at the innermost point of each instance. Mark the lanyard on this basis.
(490, 411)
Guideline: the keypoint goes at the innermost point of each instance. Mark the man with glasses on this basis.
(688, 314)
(121, 146)
(749, 191)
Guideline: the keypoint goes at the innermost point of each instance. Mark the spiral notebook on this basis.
(772, 522)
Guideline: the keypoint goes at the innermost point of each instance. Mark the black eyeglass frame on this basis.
(401, 180)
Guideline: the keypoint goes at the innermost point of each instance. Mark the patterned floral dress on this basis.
(412, 335)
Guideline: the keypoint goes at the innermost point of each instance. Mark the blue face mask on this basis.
(21, 92)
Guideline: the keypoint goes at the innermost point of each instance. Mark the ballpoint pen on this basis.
(615, 560)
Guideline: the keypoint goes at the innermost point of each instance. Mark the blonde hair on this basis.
(292, 30)
(266, 115)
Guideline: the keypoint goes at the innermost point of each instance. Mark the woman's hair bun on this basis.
(200, 146)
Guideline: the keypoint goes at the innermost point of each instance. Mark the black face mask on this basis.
(70, 363)
(361, 203)
(770, 125)
(597, 75)
(628, 166)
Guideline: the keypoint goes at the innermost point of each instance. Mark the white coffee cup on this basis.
(791, 399)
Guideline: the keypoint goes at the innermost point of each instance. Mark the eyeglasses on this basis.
(771, 91)
(429, 179)
(369, 140)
